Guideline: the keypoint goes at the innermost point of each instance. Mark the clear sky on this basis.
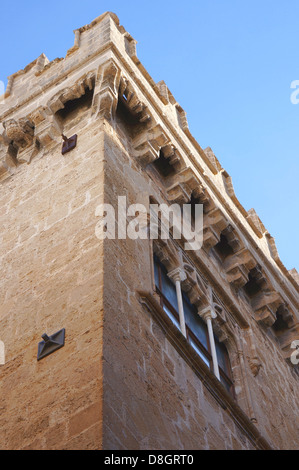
(230, 65)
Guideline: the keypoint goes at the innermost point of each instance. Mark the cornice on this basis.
(204, 162)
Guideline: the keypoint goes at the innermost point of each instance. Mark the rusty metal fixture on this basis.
(69, 143)
(50, 344)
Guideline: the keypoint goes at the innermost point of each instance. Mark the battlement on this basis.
(103, 60)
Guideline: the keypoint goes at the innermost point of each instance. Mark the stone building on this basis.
(165, 348)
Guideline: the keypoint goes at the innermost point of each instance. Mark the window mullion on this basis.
(177, 276)
(208, 315)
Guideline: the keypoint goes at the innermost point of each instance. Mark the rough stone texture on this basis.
(53, 279)
(125, 379)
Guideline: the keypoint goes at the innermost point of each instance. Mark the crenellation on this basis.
(256, 223)
(110, 22)
(295, 275)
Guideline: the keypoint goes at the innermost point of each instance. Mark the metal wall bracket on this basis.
(50, 344)
(69, 143)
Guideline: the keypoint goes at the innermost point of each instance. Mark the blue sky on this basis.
(229, 63)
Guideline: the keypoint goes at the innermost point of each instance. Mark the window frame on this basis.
(227, 381)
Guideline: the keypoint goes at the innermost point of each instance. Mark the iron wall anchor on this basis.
(50, 344)
(68, 143)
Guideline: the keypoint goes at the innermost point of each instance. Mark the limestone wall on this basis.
(52, 278)
(125, 378)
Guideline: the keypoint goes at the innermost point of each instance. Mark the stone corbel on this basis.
(20, 132)
(233, 238)
(218, 221)
(177, 275)
(167, 254)
(130, 99)
(58, 101)
(195, 288)
(214, 224)
(186, 183)
(221, 314)
(255, 365)
(259, 277)
(238, 266)
(173, 156)
(148, 144)
(265, 306)
(19, 136)
(106, 91)
(47, 128)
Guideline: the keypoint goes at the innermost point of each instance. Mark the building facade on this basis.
(164, 348)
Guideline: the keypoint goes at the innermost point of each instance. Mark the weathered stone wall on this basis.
(152, 398)
(52, 278)
(275, 392)
(125, 379)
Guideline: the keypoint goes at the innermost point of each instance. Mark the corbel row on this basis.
(240, 265)
(268, 306)
(199, 293)
(23, 138)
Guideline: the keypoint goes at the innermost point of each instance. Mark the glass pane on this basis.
(169, 290)
(195, 323)
(156, 271)
(226, 383)
(199, 352)
(222, 357)
(172, 317)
